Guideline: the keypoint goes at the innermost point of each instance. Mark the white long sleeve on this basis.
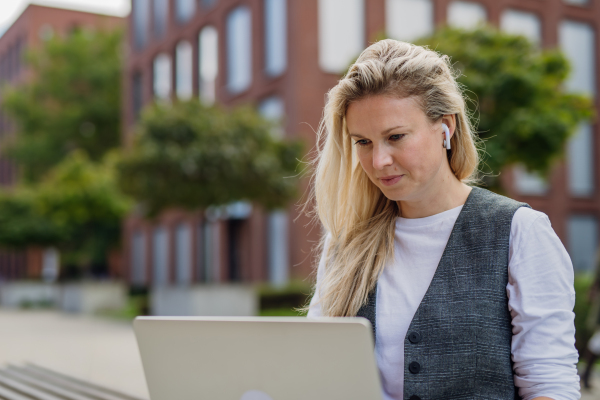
(541, 299)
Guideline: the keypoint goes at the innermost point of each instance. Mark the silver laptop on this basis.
(237, 358)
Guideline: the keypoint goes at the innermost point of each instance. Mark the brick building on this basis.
(283, 56)
(35, 25)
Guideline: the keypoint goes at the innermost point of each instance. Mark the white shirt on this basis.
(540, 299)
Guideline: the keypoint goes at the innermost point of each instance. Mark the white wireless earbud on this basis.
(447, 140)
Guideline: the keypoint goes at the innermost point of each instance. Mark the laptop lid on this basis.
(254, 358)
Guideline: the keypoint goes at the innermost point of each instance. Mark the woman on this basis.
(470, 294)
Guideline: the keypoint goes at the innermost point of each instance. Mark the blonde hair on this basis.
(360, 220)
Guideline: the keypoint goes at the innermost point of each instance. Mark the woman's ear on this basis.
(450, 121)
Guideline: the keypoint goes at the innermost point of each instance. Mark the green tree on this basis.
(72, 102)
(192, 156)
(517, 91)
(77, 207)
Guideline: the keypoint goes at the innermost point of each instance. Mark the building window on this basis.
(522, 23)
(208, 3)
(161, 17)
(578, 44)
(185, 9)
(208, 53)
(278, 231)
(211, 250)
(138, 259)
(466, 14)
(184, 70)
(580, 156)
(141, 17)
(160, 257)
(183, 254)
(239, 49)
(275, 36)
(273, 110)
(583, 241)
(341, 33)
(136, 94)
(409, 19)
(577, 2)
(162, 77)
(529, 183)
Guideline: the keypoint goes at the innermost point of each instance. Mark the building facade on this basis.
(283, 56)
(30, 30)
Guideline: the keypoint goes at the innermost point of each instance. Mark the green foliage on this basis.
(192, 156)
(73, 101)
(525, 114)
(77, 207)
(583, 306)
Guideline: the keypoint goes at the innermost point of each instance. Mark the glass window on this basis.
(278, 248)
(272, 109)
(580, 155)
(239, 49)
(160, 257)
(577, 2)
(211, 248)
(275, 36)
(138, 258)
(183, 254)
(466, 14)
(529, 183)
(583, 241)
(522, 23)
(577, 42)
(161, 17)
(341, 33)
(162, 77)
(408, 19)
(208, 63)
(141, 17)
(136, 94)
(185, 9)
(184, 70)
(208, 3)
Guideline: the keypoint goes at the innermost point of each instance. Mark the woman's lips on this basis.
(390, 180)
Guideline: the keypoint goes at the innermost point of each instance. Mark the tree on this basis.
(77, 207)
(72, 102)
(517, 91)
(192, 156)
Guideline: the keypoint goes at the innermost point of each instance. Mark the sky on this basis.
(11, 9)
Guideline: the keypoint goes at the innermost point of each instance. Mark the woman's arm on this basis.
(541, 300)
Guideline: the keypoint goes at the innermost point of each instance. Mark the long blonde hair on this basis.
(359, 219)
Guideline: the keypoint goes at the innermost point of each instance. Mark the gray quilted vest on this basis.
(458, 345)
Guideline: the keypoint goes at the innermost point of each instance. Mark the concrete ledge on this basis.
(91, 297)
(22, 294)
(204, 300)
(81, 297)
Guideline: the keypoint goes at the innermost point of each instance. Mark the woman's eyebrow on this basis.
(382, 133)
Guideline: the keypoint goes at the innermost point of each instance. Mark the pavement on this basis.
(98, 350)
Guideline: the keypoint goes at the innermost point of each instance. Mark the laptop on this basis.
(258, 358)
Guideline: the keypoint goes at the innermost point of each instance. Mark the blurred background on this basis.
(153, 153)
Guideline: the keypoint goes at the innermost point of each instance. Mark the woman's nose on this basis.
(381, 157)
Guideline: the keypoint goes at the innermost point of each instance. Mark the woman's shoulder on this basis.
(525, 218)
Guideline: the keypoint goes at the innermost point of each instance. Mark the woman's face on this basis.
(400, 150)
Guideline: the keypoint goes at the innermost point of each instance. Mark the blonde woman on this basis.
(470, 294)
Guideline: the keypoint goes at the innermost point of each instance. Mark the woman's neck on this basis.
(439, 197)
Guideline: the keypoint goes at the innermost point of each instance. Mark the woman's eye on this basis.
(396, 137)
(362, 142)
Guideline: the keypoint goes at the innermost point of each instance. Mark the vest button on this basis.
(414, 397)
(414, 337)
(414, 367)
